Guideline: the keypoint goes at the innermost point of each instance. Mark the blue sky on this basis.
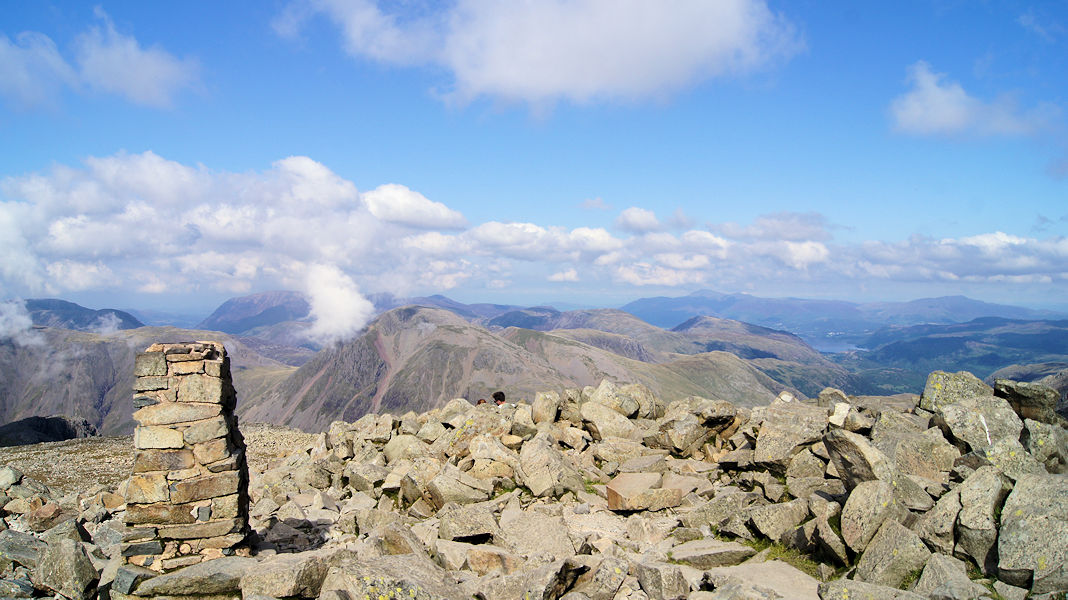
(588, 151)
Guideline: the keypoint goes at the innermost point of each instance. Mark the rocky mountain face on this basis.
(610, 492)
(50, 312)
(34, 430)
(418, 358)
(89, 376)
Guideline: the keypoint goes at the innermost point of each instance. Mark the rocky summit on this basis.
(609, 493)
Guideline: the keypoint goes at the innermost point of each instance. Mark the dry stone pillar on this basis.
(187, 500)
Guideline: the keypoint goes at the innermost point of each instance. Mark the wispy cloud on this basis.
(33, 72)
(575, 50)
(935, 105)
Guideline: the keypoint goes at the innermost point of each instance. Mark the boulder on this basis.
(774, 579)
(785, 429)
(535, 535)
(219, 576)
(710, 552)
(661, 579)
(1048, 444)
(847, 589)
(937, 527)
(981, 497)
(869, 505)
(775, 520)
(892, 555)
(64, 567)
(1033, 541)
(945, 577)
(640, 491)
(453, 485)
(607, 394)
(471, 523)
(19, 548)
(545, 470)
(979, 421)
(398, 576)
(604, 422)
(545, 407)
(950, 388)
(1030, 400)
(286, 575)
(548, 581)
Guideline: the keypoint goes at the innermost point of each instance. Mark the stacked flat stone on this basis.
(187, 500)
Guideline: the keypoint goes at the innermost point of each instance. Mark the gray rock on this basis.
(980, 421)
(846, 589)
(548, 581)
(9, 476)
(950, 388)
(711, 552)
(981, 496)
(640, 491)
(65, 568)
(785, 429)
(1012, 459)
(776, 577)
(661, 579)
(472, 523)
(1030, 400)
(945, 577)
(603, 579)
(535, 535)
(404, 576)
(937, 527)
(219, 576)
(545, 407)
(19, 548)
(892, 554)
(453, 485)
(1033, 541)
(15, 588)
(926, 455)
(286, 575)
(607, 394)
(869, 505)
(856, 460)
(604, 422)
(1048, 444)
(545, 470)
(129, 577)
(1009, 592)
(774, 520)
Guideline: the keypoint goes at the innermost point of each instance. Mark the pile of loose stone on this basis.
(606, 493)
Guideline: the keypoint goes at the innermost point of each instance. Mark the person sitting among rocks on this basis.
(498, 397)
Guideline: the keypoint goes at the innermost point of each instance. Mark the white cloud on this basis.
(679, 261)
(647, 274)
(637, 220)
(75, 276)
(792, 226)
(936, 106)
(33, 72)
(338, 309)
(595, 204)
(398, 204)
(17, 325)
(577, 50)
(568, 275)
(115, 63)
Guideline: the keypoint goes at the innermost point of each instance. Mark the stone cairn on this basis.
(187, 500)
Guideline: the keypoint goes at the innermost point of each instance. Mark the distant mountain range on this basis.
(429, 350)
(830, 325)
(50, 312)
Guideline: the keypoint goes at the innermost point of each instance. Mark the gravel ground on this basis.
(82, 464)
